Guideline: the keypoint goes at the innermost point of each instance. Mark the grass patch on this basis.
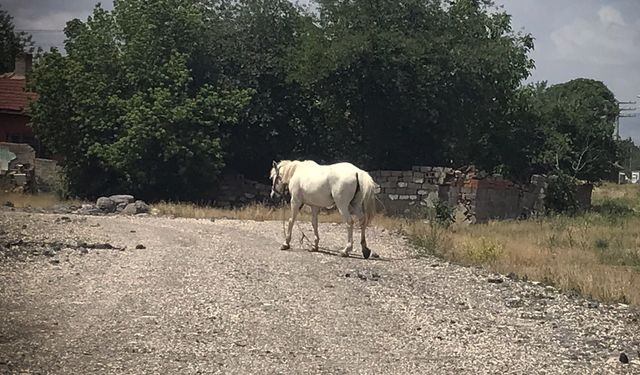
(256, 212)
(596, 254)
(42, 200)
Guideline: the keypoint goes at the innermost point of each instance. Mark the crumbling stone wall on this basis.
(47, 174)
(475, 196)
(235, 190)
(409, 192)
(25, 154)
(27, 173)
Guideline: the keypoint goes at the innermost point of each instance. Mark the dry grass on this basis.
(45, 200)
(256, 212)
(596, 254)
(626, 195)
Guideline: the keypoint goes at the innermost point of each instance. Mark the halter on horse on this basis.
(344, 185)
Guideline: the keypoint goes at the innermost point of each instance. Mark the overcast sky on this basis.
(597, 39)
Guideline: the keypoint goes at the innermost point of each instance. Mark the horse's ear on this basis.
(275, 165)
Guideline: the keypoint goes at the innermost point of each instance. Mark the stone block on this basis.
(396, 173)
(387, 184)
(402, 184)
(394, 197)
(403, 197)
(418, 180)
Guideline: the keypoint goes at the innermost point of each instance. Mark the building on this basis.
(14, 98)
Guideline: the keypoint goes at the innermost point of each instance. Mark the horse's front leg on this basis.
(295, 208)
(314, 223)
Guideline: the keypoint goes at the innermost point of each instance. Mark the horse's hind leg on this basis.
(346, 218)
(314, 223)
(366, 252)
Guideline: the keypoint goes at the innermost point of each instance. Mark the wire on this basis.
(40, 30)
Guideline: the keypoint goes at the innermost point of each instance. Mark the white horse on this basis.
(349, 188)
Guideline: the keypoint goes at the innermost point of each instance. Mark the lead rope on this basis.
(303, 235)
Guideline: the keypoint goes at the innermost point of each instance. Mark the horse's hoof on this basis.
(366, 252)
(344, 254)
(375, 255)
(285, 247)
(313, 249)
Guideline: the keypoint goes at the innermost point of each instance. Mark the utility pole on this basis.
(621, 115)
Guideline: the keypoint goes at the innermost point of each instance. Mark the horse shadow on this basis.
(337, 254)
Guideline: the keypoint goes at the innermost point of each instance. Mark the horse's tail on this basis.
(366, 196)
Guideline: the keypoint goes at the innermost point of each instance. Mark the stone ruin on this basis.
(17, 167)
(236, 190)
(21, 171)
(473, 196)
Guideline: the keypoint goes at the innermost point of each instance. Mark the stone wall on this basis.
(27, 173)
(235, 190)
(47, 174)
(25, 154)
(474, 196)
(405, 192)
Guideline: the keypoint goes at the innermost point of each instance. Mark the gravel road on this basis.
(201, 297)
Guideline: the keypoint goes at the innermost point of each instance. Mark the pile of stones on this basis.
(121, 204)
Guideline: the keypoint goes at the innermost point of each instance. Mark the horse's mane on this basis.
(287, 168)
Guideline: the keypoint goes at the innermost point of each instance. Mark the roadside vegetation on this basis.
(595, 254)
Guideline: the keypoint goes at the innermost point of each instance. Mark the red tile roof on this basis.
(13, 96)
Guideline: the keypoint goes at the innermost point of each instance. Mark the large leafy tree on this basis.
(414, 81)
(579, 118)
(629, 157)
(129, 107)
(251, 48)
(11, 42)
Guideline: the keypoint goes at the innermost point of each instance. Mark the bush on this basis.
(482, 251)
(614, 208)
(561, 195)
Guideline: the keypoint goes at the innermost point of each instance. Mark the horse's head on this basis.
(277, 184)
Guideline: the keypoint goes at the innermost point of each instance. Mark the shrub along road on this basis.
(196, 296)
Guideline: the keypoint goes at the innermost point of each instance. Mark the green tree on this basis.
(251, 48)
(129, 107)
(579, 119)
(413, 81)
(629, 156)
(11, 42)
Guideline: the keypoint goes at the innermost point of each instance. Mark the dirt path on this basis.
(218, 297)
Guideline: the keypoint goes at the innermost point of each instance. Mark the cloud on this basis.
(603, 38)
(51, 21)
(610, 16)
